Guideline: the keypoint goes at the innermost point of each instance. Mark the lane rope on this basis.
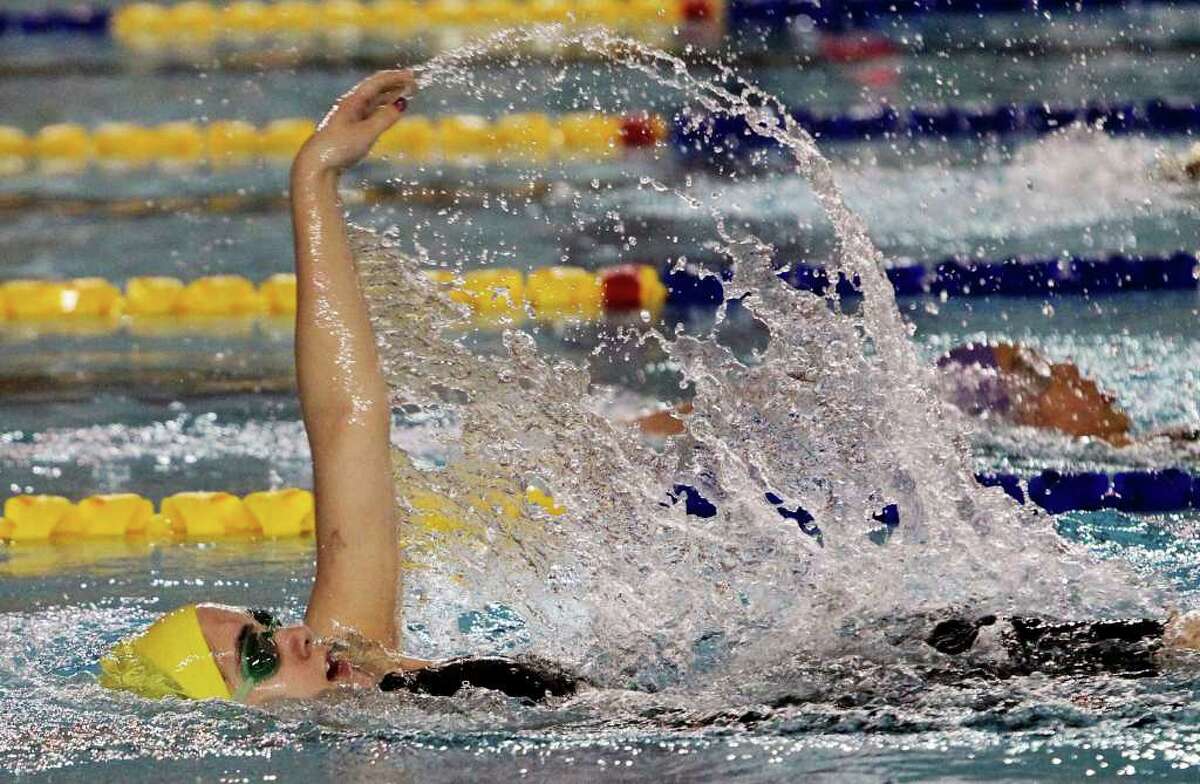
(143, 25)
(209, 516)
(529, 137)
(779, 15)
(501, 295)
(1143, 492)
(700, 138)
(162, 304)
(1074, 276)
(537, 137)
(289, 512)
(1154, 491)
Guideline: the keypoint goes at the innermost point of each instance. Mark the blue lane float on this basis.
(705, 139)
(1137, 492)
(1169, 490)
(1075, 276)
(80, 20)
(1007, 482)
(775, 16)
(1057, 493)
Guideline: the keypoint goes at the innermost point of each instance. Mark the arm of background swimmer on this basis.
(343, 396)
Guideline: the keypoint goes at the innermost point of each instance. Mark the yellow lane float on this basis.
(282, 139)
(199, 515)
(118, 514)
(81, 298)
(193, 516)
(491, 292)
(522, 137)
(244, 20)
(14, 143)
(97, 299)
(212, 516)
(125, 143)
(590, 135)
(32, 517)
(464, 136)
(412, 139)
(63, 142)
(152, 295)
(280, 513)
(528, 135)
(549, 293)
(181, 142)
(151, 26)
(230, 142)
(564, 290)
(278, 294)
(220, 295)
(194, 23)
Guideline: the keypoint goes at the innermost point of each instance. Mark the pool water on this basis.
(830, 721)
(154, 415)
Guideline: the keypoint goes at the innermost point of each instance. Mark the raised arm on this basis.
(343, 396)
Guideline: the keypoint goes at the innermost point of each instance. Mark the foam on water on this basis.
(833, 412)
(1079, 180)
(835, 415)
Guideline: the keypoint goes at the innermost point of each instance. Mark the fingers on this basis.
(386, 108)
(382, 118)
(357, 120)
(371, 92)
(388, 98)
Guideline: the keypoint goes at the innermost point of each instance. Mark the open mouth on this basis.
(333, 666)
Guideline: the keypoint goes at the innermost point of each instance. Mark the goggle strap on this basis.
(243, 691)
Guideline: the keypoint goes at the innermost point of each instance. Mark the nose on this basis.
(297, 640)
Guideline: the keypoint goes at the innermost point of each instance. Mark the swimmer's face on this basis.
(306, 668)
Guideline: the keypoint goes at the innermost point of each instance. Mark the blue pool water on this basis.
(861, 724)
(83, 414)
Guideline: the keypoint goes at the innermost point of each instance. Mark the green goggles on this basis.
(258, 655)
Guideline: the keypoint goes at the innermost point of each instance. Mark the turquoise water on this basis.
(845, 720)
(157, 415)
(834, 721)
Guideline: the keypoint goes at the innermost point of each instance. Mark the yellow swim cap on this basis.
(169, 659)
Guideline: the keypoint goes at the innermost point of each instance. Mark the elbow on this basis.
(347, 411)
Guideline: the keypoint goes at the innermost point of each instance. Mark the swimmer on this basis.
(350, 637)
(209, 651)
(1180, 168)
(1014, 384)
(1007, 383)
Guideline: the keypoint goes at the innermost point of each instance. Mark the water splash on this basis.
(836, 415)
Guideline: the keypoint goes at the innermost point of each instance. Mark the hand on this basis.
(346, 134)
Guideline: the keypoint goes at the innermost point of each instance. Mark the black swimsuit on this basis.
(1029, 644)
(1122, 647)
(525, 678)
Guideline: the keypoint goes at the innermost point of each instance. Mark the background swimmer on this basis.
(1181, 168)
(1013, 383)
(1009, 383)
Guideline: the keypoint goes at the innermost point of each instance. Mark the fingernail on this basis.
(401, 104)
